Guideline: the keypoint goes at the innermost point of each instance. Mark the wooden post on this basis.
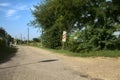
(63, 45)
(63, 39)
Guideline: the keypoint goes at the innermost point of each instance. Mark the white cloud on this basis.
(4, 4)
(16, 17)
(10, 12)
(32, 8)
(13, 11)
(21, 7)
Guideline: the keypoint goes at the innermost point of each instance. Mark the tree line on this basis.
(5, 38)
(90, 24)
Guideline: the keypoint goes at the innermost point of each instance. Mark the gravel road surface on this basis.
(36, 64)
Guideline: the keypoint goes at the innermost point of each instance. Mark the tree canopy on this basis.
(93, 22)
(4, 37)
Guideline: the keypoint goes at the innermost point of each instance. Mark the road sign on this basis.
(64, 36)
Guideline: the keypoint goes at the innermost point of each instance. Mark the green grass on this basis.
(6, 52)
(103, 53)
(36, 44)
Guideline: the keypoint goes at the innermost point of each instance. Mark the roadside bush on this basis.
(6, 53)
(2, 42)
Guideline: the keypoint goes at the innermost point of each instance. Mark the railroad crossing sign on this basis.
(64, 36)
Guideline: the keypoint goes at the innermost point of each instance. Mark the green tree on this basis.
(36, 39)
(55, 16)
(2, 32)
(94, 19)
(97, 23)
(5, 38)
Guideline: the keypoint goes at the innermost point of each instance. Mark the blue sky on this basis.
(14, 16)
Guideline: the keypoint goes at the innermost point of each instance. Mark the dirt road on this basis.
(31, 63)
(35, 64)
(99, 68)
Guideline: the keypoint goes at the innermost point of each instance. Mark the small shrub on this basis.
(2, 42)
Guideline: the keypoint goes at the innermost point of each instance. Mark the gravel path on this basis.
(36, 64)
(97, 68)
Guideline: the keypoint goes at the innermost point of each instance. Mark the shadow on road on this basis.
(6, 53)
(50, 60)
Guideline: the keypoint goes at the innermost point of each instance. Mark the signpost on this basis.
(63, 39)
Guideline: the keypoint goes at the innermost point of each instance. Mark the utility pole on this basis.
(41, 37)
(21, 38)
(28, 37)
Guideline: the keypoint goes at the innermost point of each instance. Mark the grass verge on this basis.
(102, 53)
